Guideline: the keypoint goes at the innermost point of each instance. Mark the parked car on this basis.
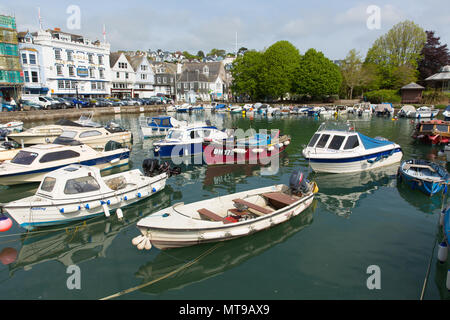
(64, 103)
(43, 101)
(155, 100)
(28, 105)
(82, 103)
(7, 107)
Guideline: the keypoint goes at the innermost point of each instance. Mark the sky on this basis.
(333, 27)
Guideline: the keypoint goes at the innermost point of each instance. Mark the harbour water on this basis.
(356, 221)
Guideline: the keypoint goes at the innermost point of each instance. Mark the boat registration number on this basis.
(225, 152)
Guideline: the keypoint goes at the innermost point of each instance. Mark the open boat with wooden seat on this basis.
(225, 217)
(427, 176)
(432, 131)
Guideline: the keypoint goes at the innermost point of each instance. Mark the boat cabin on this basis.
(43, 154)
(344, 139)
(190, 133)
(73, 181)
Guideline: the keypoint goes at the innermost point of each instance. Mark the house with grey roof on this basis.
(206, 80)
(144, 76)
(165, 77)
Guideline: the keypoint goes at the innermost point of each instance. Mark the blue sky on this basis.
(333, 27)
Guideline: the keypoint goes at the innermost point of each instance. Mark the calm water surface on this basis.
(356, 220)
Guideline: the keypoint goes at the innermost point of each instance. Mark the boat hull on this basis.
(39, 215)
(218, 154)
(174, 238)
(356, 164)
(30, 176)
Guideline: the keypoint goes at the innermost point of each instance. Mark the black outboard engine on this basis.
(152, 167)
(298, 183)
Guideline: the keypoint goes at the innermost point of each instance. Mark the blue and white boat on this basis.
(427, 176)
(187, 140)
(338, 148)
(184, 108)
(159, 126)
(31, 164)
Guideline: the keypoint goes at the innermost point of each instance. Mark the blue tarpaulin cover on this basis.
(370, 143)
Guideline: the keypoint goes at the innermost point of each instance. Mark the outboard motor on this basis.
(152, 167)
(298, 183)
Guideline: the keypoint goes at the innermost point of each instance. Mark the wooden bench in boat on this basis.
(257, 209)
(280, 197)
(408, 166)
(211, 215)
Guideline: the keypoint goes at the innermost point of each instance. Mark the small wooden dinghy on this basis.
(226, 217)
(427, 176)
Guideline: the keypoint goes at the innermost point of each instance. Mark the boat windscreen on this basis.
(24, 157)
(442, 127)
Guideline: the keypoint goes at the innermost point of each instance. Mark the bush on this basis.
(434, 97)
(379, 96)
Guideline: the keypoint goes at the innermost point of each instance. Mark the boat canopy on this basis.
(370, 143)
(408, 108)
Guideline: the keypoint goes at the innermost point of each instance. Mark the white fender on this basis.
(137, 240)
(141, 244)
(105, 209)
(286, 142)
(142, 194)
(257, 150)
(69, 208)
(280, 145)
(112, 201)
(129, 196)
(442, 252)
(148, 244)
(92, 205)
(119, 213)
(271, 148)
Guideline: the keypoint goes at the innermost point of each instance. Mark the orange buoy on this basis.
(5, 223)
(8, 255)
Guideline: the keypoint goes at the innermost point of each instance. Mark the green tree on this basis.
(279, 65)
(355, 75)
(246, 71)
(217, 52)
(317, 75)
(400, 46)
(200, 54)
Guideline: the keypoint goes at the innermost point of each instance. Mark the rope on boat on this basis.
(187, 265)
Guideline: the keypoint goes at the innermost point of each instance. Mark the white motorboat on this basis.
(426, 112)
(8, 150)
(30, 164)
(407, 111)
(187, 140)
(363, 109)
(235, 109)
(446, 113)
(77, 192)
(326, 111)
(338, 148)
(225, 217)
(341, 110)
(171, 109)
(13, 126)
(95, 137)
(159, 126)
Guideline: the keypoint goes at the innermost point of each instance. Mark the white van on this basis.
(45, 102)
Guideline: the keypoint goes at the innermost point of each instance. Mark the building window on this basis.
(122, 65)
(91, 73)
(34, 77)
(126, 75)
(192, 85)
(58, 54)
(117, 75)
(100, 60)
(101, 73)
(143, 67)
(165, 80)
(142, 86)
(27, 76)
(90, 58)
(59, 71)
(67, 84)
(185, 85)
(24, 58)
(179, 85)
(32, 57)
(71, 71)
(171, 80)
(60, 84)
(69, 56)
(143, 77)
(93, 85)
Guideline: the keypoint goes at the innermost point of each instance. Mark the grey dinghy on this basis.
(226, 217)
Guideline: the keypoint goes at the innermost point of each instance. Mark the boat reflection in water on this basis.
(339, 193)
(420, 200)
(214, 258)
(78, 242)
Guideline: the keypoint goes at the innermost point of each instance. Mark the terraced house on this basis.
(144, 76)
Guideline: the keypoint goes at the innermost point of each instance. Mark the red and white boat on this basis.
(259, 149)
(433, 131)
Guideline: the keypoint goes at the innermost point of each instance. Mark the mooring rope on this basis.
(185, 266)
(427, 274)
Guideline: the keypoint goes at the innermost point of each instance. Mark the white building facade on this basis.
(73, 65)
(123, 76)
(144, 77)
